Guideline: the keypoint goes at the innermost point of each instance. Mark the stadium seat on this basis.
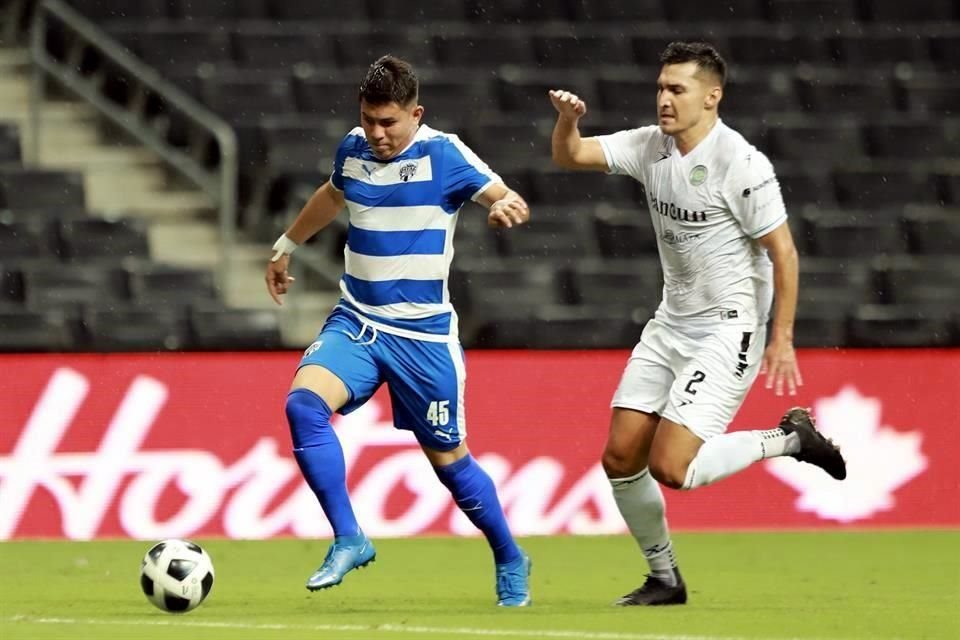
(818, 326)
(898, 326)
(36, 331)
(265, 45)
(932, 230)
(506, 288)
(948, 185)
(552, 233)
(945, 50)
(30, 189)
(246, 95)
(178, 44)
(836, 236)
(525, 90)
(928, 283)
(617, 284)
(562, 187)
(803, 183)
(98, 239)
(923, 139)
(628, 91)
(624, 232)
(132, 329)
(780, 45)
(246, 329)
(474, 239)
(568, 51)
(834, 286)
(484, 49)
(24, 240)
(322, 95)
(897, 12)
(823, 91)
(447, 98)
(507, 144)
(751, 93)
(100, 10)
(614, 11)
(317, 10)
(416, 11)
(54, 285)
(719, 11)
(816, 141)
(517, 11)
(162, 284)
(813, 11)
(9, 145)
(859, 49)
(928, 94)
(220, 10)
(879, 185)
(565, 327)
(361, 48)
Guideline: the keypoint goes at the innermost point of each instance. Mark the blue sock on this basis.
(318, 452)
(475, 494)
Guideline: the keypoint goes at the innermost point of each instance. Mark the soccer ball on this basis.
(176, 575)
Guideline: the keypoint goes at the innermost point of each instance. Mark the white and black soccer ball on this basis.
(176, 575)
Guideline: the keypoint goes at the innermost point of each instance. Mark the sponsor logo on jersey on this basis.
(765, 183)
(672, 211)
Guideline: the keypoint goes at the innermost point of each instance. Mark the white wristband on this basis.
(284, 246)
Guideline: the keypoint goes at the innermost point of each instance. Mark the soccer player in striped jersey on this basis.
(725, 249)
(403, 184)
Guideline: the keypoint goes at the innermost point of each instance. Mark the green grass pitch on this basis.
(828, 586)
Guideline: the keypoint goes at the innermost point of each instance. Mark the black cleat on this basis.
(655, 592)
(815, 448)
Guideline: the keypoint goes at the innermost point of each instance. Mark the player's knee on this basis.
(308, 416)
(617, 464)
(669, 473)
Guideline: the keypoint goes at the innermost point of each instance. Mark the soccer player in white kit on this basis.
(726, 252)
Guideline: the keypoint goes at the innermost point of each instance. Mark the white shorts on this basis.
(699, 382)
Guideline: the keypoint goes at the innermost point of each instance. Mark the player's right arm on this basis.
(571, 151)
(319, 211)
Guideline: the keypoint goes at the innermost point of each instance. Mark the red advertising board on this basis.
(175, 445)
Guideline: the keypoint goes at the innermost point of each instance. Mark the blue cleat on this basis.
(513, 582)
(346, 554)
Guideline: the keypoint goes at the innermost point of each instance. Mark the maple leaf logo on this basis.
(879, 459)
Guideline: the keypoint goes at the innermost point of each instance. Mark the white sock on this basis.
(641, 504)
(728, 453)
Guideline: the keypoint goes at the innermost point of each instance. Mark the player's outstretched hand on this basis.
(780, 366)
(278, 279)
(506, 213)
(568, 104)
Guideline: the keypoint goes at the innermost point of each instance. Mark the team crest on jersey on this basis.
(313, 347)
(698, 175)
(407, 171)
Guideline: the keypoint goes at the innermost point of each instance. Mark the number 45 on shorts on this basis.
(438, 413)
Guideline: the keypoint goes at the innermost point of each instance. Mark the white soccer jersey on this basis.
(708, 208)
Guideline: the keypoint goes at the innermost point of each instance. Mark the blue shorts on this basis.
(426, 379)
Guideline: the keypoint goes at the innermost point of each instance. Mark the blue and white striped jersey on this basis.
(402, 217)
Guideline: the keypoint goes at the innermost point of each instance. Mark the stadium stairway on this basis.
(121, 177)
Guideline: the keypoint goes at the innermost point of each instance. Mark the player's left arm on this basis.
(780, 358)
(506, 206)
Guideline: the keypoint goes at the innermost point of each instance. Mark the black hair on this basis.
(704, 54)
(390, 79)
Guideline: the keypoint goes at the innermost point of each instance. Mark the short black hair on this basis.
(390, 79)
(703, 53)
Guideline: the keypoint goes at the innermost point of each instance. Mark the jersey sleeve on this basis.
(348, 142)
(465, 175)
(624, 150)
(753, 195)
